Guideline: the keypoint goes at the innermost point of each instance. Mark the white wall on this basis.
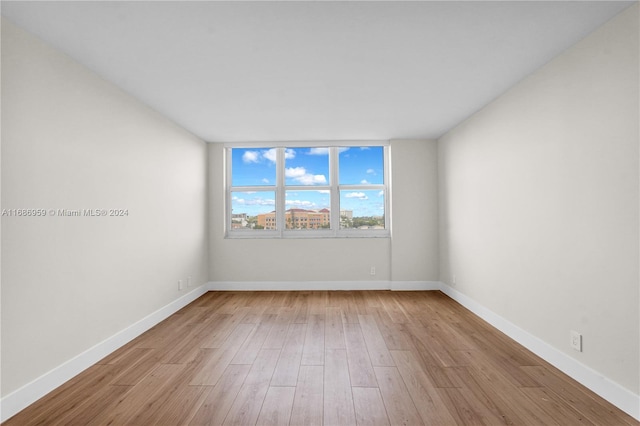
(539, 202)
(414, 210)
(337, 260)
(70, 140)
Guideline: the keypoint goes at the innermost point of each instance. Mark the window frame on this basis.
(280, 189)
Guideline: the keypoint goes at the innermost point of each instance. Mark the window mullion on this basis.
(362, 187)
(264, 188)
(335, 193)
(280, 191)
(227, 191)
(387, 184)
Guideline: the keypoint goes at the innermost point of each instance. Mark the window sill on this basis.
(296, 235)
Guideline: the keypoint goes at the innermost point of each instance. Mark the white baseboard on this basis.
(619, 396)
(415, 285)
(321, 285)
(31, 392)
(296, 285)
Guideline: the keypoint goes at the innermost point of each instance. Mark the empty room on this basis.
(320, 212)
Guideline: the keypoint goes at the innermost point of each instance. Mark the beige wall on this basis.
(72, 141)
(539, 202)
(343, 259)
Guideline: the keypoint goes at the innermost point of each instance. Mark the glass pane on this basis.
(308, 209)
(253, 167)
(253, 210)
(306, 166)
(361, 165)
(362, 209)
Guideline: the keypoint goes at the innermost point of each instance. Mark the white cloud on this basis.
(309, 179)
(261, 202)
(318, 151)
(300, 175)
(325, 151)
(358, 195)
(270, 154)
(265, 180)
(364, 182)
(251, 157)
(295, 172)
(289, 154)
(300, 203)
(381, 194)
(254, 201)
(371, 172)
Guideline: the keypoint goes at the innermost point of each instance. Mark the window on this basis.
(307, 190)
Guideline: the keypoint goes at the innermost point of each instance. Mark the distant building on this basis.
(346, 213)
(239, 220)
(297, 219)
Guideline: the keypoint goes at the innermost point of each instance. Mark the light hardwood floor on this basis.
(322, 357)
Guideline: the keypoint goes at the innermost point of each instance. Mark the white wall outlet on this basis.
(453, 280)
(576, 341)
(180, 286)
(373, 270)
(189, 281)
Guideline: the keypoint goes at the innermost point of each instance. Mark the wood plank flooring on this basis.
(322, 357)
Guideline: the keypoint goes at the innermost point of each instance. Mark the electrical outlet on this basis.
(453, 280)
(373, 270)
(180, 285)
(576, 341)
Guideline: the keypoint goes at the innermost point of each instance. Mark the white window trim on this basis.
(279, 188)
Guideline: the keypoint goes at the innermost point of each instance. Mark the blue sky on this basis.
(308, 167)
